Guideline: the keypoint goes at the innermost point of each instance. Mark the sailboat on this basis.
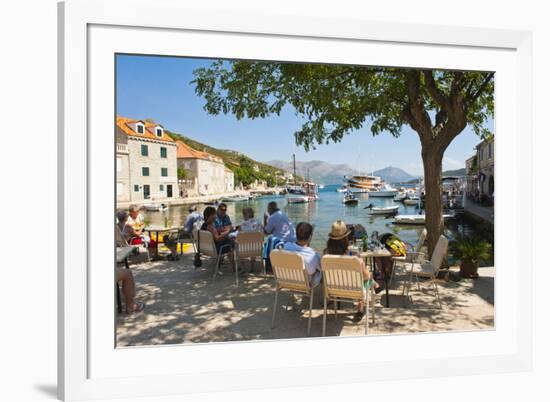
(305, 193)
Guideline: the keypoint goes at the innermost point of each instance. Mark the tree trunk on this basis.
(432, 159)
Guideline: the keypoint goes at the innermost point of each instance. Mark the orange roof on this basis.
(185, 151)
(124, 124)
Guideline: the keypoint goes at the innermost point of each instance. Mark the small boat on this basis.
(410, 201)
(400, 196)
(155, 207)
(416, 219)
(235, 198)
(350, 199)
(342, 189)
(321, 186)
(384, 210)
(383, 191)
(300, 199)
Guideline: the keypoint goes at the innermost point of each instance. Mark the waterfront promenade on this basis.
(199, 199)
(485, 213)
(184, 306)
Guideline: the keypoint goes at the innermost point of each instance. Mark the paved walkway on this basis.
(185, 306)
(485, 213)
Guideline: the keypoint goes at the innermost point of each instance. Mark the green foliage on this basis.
(337, 99)
(182, 174)
(241, 165)
(471, 248)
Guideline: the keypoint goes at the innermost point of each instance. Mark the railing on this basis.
(122, 148)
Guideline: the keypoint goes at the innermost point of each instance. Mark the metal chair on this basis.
(412, 256)
(343, 281)
(290, 274)
(248, 245)
(429, 269)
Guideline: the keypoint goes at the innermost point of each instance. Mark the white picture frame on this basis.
(90, 31)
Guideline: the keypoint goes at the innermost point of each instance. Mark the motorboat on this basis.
(391, 210)
(400, 196)
(383, 191)
(410, 201)
(350, 199)
(299, 199)
(159, 207)
(342, 189)
(416, 219)
(235, 198)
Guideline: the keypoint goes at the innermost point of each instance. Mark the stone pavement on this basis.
(185, 306)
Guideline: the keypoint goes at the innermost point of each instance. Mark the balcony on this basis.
(121, 148)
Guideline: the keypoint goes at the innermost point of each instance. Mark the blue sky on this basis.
(159, 88)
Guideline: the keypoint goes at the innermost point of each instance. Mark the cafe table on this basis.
(369, 256)
(160, 229)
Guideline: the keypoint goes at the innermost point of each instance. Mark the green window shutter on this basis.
(161, 187)
(144, 150)
(145, 171)
(136, 187)
(164, 172)
(163, 152)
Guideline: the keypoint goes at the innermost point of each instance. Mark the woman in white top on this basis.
(250, 224)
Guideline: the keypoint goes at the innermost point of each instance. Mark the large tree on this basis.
(336, 100)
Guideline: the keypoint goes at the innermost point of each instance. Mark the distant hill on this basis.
(456, 172)
(319, 171)
(393, 174)
(327, 173)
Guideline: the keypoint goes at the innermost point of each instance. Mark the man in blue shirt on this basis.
(278, 224)
(223, 222)
(312, 259)
(191, 219)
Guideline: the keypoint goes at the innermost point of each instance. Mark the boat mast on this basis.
(294, 164)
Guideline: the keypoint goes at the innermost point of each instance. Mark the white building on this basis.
(150, 157)
(205, 174)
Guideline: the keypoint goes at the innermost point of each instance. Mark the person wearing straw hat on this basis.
(337, 244)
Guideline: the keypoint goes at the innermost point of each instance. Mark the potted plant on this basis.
(470, 251)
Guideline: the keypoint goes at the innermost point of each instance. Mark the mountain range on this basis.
(327, 173)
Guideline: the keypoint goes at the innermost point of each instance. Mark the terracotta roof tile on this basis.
(124, 124)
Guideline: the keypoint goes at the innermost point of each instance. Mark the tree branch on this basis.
(434, 91)
(420, 120)
(472, 98)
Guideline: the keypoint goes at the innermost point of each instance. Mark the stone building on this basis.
(205, 174)
(152, 162)
(122, 166)
(486, 166)
(480, 169)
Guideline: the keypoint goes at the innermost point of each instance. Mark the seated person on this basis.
(277, 224)
(337, 244)
(171, 240)
(193, 218)
(136, 223)
(312, 259)
(250, 224)
(122, 222)
(222, 222)
(221, 237)
(126, 277)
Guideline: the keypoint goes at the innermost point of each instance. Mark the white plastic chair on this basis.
(248, 245)
(412, 256)
(290, 274)
(343, 281)
(207, 247)
(429, 269)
